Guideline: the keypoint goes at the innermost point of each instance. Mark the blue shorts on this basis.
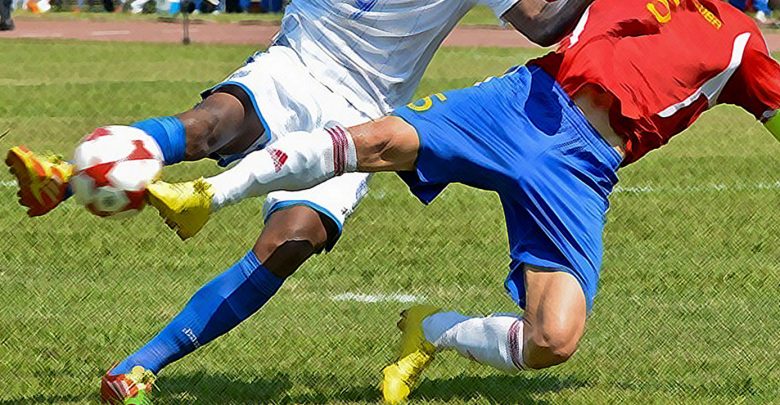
(521, 136)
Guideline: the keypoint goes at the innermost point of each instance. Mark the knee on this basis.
(201, 125)
(290, 239)
(373, 140)
(551, 344)
(389, 143)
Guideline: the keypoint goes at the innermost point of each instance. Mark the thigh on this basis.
(467, 136)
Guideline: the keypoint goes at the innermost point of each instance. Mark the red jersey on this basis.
(666, 62)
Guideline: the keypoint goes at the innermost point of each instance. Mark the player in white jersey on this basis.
(345, 60)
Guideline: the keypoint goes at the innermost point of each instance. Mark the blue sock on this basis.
(169, 133)
(216, 308)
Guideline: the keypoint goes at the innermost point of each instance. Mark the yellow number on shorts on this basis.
(426, 103)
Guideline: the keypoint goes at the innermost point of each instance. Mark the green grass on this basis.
(687, 311)
(479, 15)
(99, 15)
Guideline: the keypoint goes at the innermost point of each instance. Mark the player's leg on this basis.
(554, 317)
(297, 161)
(545, 159)
(301, 160)
(388, 144)
(289, 238)
(225, 122)
(298, 225)
(546, 334)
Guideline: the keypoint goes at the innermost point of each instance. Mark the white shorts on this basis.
(287, 98)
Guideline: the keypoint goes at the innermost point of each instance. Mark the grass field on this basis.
(687, 311)
(479, 15)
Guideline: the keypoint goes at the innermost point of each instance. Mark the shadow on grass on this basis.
(46, 399)
(504, 389)
(315, 388)
(323, 388)
(221, 389)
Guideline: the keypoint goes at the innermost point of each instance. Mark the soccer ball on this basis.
(113, 167)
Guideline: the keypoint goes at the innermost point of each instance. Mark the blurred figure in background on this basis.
(6, 23)
(763, 11)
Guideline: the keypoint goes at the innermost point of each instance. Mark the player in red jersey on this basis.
(549, 138)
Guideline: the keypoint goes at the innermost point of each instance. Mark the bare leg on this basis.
(546, 335)
(386, 145)
(290, 237)
(554, 319)
(224, 122)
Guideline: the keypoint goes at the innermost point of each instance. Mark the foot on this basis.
(7, 25)
(134, 388)
(42, 181)
(416, 353)
(185, 207)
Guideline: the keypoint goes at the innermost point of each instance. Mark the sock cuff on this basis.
(515, 342)
(170, 134)
(344, 152)
(259, 275)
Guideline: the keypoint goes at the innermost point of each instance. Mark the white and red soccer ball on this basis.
(114, 165)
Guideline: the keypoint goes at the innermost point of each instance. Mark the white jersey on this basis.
(373, 52)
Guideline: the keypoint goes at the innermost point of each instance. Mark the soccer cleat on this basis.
(416, 353)
(185, 207)
(134, 388)
(42, 181)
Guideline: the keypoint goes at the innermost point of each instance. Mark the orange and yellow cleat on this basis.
(42, 181)
(133, 388)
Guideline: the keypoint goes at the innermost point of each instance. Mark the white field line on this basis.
(374, 298)
(697, 189)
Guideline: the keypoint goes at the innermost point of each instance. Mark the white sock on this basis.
(297, 161)
(496, 341)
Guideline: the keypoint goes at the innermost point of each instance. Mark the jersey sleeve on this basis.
(499, 7)
(755, 86)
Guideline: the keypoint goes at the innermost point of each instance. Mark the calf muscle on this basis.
(554, 318)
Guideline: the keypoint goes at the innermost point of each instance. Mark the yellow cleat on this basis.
(416, 353)
(42, 180)
(185, 207)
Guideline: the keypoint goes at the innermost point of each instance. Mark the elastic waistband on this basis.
(575, 116)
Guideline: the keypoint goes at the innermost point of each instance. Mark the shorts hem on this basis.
(281, 205)
(422, 188)
(528, 259)
(251, 95)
